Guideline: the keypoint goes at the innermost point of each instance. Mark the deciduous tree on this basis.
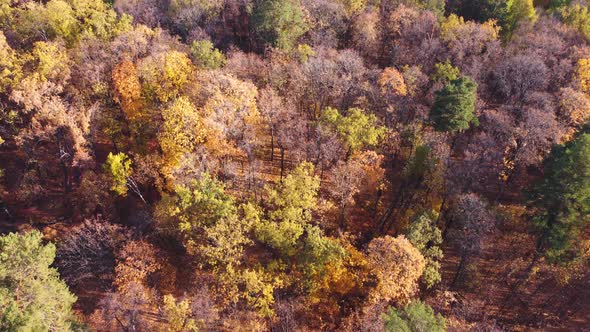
(398, 265)
(414, 317)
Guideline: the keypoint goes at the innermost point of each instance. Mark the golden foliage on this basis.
(10, 65)
(182, 130)
(166, 74)
(135, 262)
(127, 88)
(391, 79)
(178, 315)
(583, 74)
(397, 265)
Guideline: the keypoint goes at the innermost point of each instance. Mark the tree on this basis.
(397, 265)
(32, 296)
(118, 166)
(454, 106)
(577, 16)
(230, 114)
(291, 203)
(392, 80)
(518, 76)
(445, 72)
(126, 309)
(362, 172)
(519, 12)
(178, 314)
(279, 22)
(583, 74)
(414, 317)
(207, 220)
(165, 74)
(356, 129)
(206, 56)
(469, 221)
(11, 65)
(136, 261)
(88, 252)
(191, 207)
(574, 106)
(560, 202)
(181, 131)
(480, 10)
(127, 88)
(427, 238)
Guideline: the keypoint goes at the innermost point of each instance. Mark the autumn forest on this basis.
(294, 165)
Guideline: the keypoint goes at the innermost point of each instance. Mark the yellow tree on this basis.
(583, 73)
(127, 88)
(165, 75)
(11, 65)
(398, 266)
(392, 81)
(181, 131)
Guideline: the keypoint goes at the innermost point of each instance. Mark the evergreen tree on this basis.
(454, 106)
(561, 201)
(279, 22)
(32, 296)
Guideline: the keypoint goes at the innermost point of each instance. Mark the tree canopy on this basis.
(32, 296)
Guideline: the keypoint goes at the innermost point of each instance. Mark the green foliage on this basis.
(206, 56)
(519, 12)
(279, 22)
(427, 238)
(118, 166)
(202, 203)
(483, 10)
(259, 289)
(295, 197)
(561, 201)
(436, 6)
(415, 317)
(178, 314)
(292, 202)
(578, 17)
(225, 240)
(445, 72)
(421, 163)
(356, 130)
(454, 106)
(70, 20)
(206, 218)
(32, 296)
(553, 4)
(304, 52)
(318, 251)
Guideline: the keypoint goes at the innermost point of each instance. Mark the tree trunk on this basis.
(459, 270)
(272, 144)
(282, 161)
(342, 219)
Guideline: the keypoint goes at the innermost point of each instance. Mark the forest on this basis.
(294, 165)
